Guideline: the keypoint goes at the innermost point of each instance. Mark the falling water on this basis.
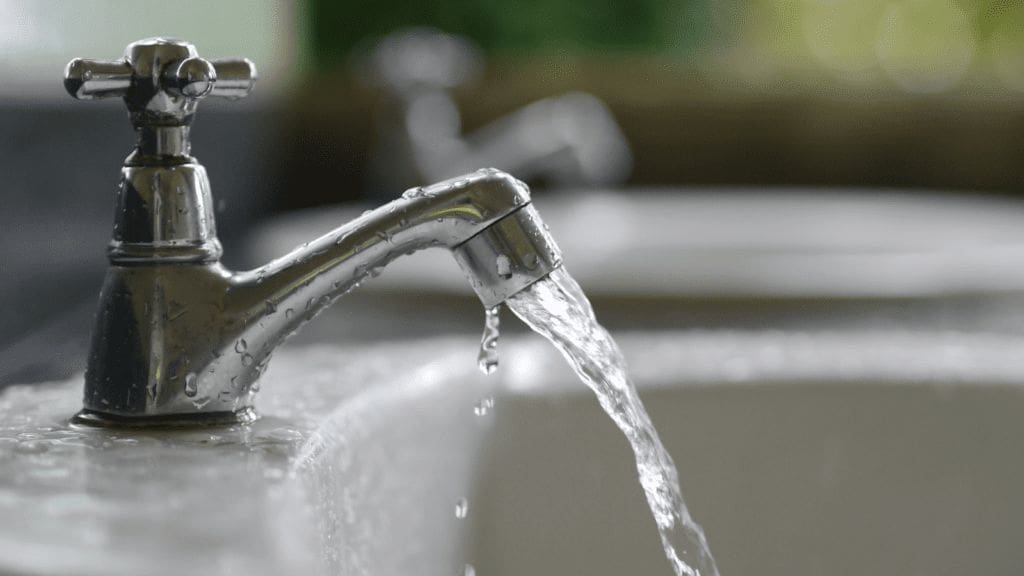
(556, 308)
(487, 360)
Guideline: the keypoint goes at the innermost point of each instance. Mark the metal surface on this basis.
(567, 140)
(508, 256)
(178, 336)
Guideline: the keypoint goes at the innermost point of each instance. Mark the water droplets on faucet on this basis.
(241, 345)
(191, 385)
(413, 193)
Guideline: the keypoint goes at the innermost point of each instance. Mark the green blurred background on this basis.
(908, 94)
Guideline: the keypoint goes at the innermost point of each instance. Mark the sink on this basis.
(838, 452)
(329, 481)
(879, 453)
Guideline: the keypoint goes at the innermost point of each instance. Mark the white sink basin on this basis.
(329, 481)
(800, 453)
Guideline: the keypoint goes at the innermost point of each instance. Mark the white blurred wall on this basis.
(38, 37)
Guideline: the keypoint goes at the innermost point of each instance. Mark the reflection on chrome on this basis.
(568, 140)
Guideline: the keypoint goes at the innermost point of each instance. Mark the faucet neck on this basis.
(161, 146)
(164, 210)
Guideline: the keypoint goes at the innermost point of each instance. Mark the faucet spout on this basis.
(187, 342)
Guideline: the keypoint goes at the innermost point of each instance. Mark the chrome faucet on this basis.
(179, 339)
(568, 140)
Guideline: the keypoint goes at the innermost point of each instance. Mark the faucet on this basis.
(179, 340)
(568, 140)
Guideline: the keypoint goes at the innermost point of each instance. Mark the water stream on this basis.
(556, 308)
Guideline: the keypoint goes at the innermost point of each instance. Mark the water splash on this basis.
(487, 360)
(556, 308)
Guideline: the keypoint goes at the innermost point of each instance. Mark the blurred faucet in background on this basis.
(566, 141)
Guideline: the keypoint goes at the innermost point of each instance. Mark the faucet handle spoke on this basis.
(89, 79)
(235, 77)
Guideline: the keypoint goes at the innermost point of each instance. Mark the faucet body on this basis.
(179, 339)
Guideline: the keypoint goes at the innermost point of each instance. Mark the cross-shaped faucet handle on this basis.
(160, 79)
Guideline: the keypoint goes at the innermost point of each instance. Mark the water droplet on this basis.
(366, 213)
(483, 406)
(503, 266)
(288, 313)
(530, 260)
(412, 193)
(384, 235)
(487, 360)
(191, 386)
(241, 345)
(247, 360)
(271, 307)
(461, 508)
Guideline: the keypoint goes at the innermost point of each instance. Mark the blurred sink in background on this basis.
(727, 258)
(800, 453)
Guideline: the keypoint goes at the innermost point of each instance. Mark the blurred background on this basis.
(761, 162)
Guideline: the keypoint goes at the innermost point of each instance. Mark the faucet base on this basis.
(97, 419)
